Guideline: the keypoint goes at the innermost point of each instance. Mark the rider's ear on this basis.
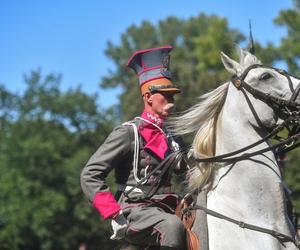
(148, 97)
(231, 65)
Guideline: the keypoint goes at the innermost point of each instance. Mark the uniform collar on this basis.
(153, 118)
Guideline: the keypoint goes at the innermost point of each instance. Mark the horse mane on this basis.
(202, 119)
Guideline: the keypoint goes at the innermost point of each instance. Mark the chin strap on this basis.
(157, 88)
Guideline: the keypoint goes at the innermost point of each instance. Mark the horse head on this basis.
(270, 93)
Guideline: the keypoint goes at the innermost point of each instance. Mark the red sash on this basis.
(153, 135)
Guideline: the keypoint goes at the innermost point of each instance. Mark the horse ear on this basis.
(231, 65)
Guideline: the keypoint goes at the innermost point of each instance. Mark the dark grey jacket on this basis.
(117, 153)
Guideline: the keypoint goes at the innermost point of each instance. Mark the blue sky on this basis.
(69, 37)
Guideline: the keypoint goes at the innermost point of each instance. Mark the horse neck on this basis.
(250, 190)
(257, 179)
(234, 129)
(235, 132)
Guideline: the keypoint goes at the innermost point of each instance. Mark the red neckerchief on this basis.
(154, 137)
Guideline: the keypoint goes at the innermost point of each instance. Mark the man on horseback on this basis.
(141, 152)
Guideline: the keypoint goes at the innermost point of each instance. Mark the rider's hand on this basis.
(119, 226)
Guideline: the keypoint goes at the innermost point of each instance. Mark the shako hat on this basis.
(152, 68)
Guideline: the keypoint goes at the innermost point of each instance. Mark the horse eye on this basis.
(265, 76)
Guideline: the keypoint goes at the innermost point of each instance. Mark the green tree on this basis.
(49, 136)
(8, 102)
(289, 51)
(290, 47)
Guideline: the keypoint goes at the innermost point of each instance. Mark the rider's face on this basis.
(162, 103)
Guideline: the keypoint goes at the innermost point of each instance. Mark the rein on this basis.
(286, 143)
(282, 238)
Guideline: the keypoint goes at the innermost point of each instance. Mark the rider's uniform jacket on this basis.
(119, 152)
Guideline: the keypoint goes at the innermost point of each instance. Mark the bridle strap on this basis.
(282, 238)
(225, 157)
(259, 122)
(245, 156)
(295, 93)
(274, 102)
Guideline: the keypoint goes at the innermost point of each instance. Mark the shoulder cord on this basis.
(137, 148)
(165, 164)
(136, 153)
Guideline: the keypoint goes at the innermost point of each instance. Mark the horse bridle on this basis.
(283, 108)
(289, 111)
(274, 102)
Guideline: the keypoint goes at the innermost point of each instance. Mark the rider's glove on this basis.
(119, 226)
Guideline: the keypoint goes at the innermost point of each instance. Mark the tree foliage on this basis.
(290, 47)
(47, 139)
(289, 51)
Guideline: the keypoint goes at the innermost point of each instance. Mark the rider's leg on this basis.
(152, 226)
(171, 232)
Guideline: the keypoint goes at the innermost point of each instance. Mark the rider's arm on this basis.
(111, 154)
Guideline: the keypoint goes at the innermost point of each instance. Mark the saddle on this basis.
(188, 219)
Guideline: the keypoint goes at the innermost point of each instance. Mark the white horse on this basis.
(251, 189)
